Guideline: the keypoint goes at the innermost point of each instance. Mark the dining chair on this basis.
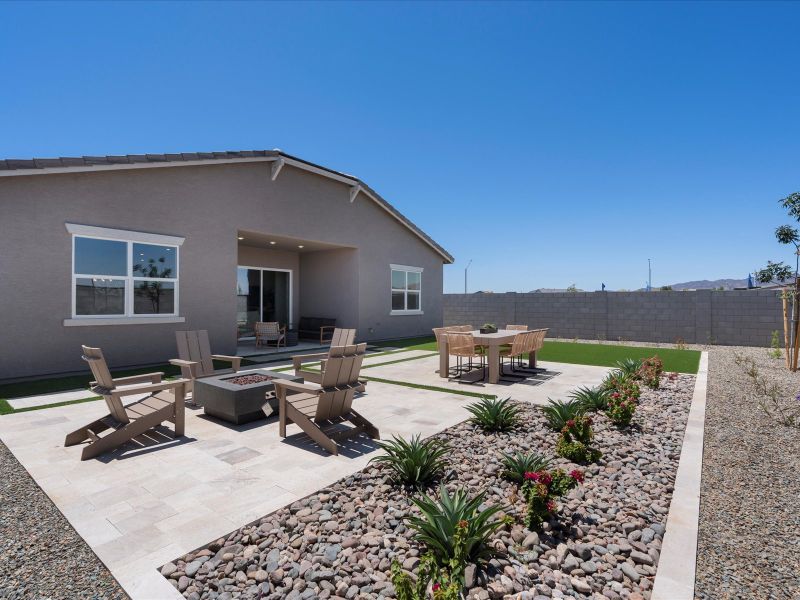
(517, 327)
(462, 345)
(522, 342)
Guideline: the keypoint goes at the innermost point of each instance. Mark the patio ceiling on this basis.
(285, 243)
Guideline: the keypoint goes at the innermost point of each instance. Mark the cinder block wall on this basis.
(736, 318)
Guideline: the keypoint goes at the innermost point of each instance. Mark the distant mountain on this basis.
(706, 284)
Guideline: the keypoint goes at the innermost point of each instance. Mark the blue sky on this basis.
(587, 137)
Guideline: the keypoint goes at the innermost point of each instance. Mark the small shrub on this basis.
(620, 409)
(446, 582)
(775, 345)
(541, 490)
(413, 463)
(575, 439)
(440, 520)
(516, 465)
(624, 384)
(650, 372)
(629, 366)
(673, 377)
(558, 412)
(591, 399)
(493, 414)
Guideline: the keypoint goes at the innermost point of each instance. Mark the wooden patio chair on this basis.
(517, 327)
(270, 332)
(165, 403)
(322, 410)
(345, 336)
(195, 358)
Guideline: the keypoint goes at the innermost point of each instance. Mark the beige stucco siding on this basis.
(207, 205)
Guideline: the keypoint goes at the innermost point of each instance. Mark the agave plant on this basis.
(493, 414)
(414, 463)
(629, 366)
(516, 465)
(591, 399)
(439, 520)
(558, 412)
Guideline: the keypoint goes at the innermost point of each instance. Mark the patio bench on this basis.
(316, 327)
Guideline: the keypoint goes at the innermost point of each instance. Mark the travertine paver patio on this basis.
(142, 507)
(556, 380)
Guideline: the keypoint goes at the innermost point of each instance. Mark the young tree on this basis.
(781, 273)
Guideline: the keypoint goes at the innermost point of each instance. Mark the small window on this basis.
(119, 278)
(406, 290)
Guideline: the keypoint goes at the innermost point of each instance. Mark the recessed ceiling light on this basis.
(301, 246)
(240, 237)
(272, 243)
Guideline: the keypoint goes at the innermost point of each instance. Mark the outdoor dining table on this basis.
(492, 341)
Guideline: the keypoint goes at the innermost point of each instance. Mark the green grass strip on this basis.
(430, 388)
(608, 355)
(399, 360)
(7, 409)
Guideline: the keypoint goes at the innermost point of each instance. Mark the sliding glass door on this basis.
(262, 295)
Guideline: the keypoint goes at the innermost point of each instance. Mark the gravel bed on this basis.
(340, 541)
(749, 538)
(41, 555)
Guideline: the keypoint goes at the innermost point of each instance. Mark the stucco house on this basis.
(121, 251)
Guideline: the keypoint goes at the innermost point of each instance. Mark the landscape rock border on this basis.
(340, 542)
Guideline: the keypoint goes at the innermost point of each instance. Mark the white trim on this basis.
(407, 268)
(276, 168)
(123, 235)
(95, 321)
(291, 288)
(405, 291)
(354, 192)
(130, 279)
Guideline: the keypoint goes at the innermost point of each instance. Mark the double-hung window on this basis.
(115, 277)
(406, 290)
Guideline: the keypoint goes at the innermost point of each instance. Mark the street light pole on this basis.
(649, 277)
(465, 275)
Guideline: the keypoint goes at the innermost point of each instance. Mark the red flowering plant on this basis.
(541, 490)
(650, 372)
(575, 439)
(620, 409)
(673, 377)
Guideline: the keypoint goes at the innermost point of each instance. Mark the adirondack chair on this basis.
(196, 360)
(341, 337)
(165, 403)
(321, 410)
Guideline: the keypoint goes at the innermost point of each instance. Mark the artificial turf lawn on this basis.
(601, 355)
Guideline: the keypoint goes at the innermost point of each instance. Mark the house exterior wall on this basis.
(207, 205)
(329, 286)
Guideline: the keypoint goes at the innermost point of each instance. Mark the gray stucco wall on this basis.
(207, 205)
(329, 285)
(738, 317)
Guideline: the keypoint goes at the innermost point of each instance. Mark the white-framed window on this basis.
(123, 274)
(406, 290)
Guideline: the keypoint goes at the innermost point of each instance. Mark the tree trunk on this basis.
(785, 301)
(795, 323)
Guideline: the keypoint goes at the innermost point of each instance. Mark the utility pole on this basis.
(465, 275)
(649, 277)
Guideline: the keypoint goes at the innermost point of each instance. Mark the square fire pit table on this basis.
(239, 397)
